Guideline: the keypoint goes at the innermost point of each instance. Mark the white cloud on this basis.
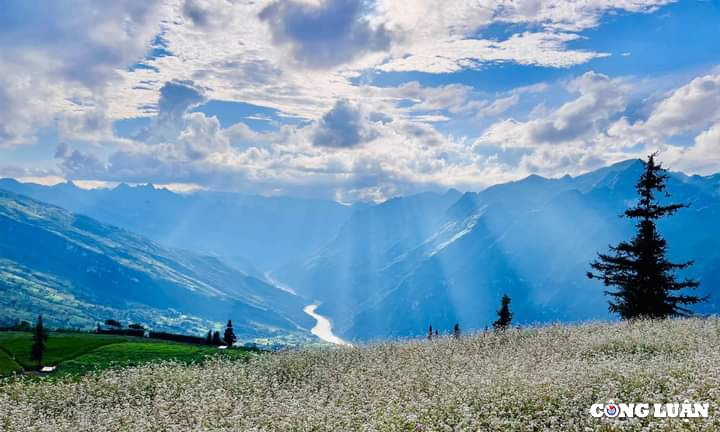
(60, 62)
(325, 34)
(206, 14)
(79, 60)
(452, 55)
(599, 99)
(345, 125)
(572, 15)
(21, 106)
(702, 157)
(387, 156)
(690, 107)
(586, 132)
(246, 58)
(443, 36)
(498, 106)
(202, 136)
(353, 140)
(685, 110)
(395, 153)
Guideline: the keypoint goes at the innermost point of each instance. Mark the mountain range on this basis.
(77, 272)
(378, 270)
(397, 267)
(254, 233)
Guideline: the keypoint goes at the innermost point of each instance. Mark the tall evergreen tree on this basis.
(504, 315)
(229, 336)
(39, 338)
(645, 280)
(216, 338)
(113, 323)
(209, 337)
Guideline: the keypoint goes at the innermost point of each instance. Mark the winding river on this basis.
(323, 326)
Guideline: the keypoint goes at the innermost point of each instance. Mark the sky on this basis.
(350, 99)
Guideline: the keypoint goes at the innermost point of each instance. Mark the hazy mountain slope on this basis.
(535, 256)
(349, 271)
(253, 233)
(532, 238)
(392, 268)
(77, 271)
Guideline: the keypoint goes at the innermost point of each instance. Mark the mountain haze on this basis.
(76, 272)
(253, 233)
(532, 239)
(378, 270)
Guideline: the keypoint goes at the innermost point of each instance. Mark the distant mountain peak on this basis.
(453, 192)
(68, 184)
(609, 176)
(8, 180)
(534, 178)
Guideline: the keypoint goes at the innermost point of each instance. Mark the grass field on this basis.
(77, 353)
(137, 353)
(7, 364)
(60, 346)
(543, 379)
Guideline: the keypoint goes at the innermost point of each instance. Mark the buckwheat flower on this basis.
(543, 378)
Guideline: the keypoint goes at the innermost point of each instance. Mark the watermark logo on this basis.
(611, 410)
(685, 410)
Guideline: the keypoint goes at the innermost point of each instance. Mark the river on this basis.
(323, 326)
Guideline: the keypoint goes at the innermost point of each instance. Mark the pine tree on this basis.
(113, 323)
(647, 286)
(209, 337)
(504, 315)
(39, 338)
(456, 331)
(216, 338)
(229, 336)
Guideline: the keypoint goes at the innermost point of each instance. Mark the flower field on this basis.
(532, 379)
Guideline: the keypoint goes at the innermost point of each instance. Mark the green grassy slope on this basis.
(76, 271)
(78, 353)
(7, 364)
(60, 346)
(135, 353)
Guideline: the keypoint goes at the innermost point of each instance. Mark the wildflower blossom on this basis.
(534, 379)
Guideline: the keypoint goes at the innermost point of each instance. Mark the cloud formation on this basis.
(326, 34)
(599, 98)
(692, 106)
(59, 58)
(345, 125)
(338, 98)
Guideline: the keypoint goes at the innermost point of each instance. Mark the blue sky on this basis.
(349, 99)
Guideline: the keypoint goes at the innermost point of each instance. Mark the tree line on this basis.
(229, 338)
(503, 322)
